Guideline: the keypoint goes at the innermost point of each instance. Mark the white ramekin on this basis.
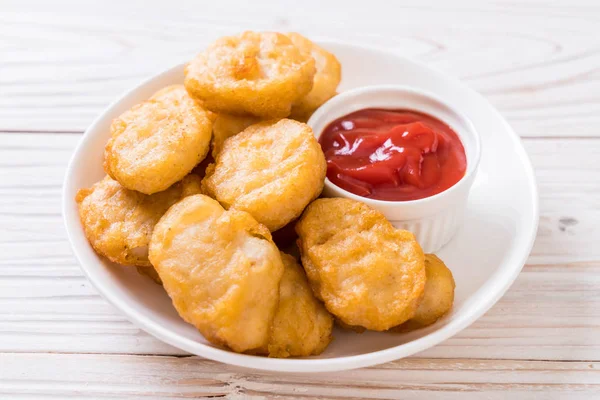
(433, 220)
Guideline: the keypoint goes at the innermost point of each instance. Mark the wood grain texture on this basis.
(46, 304)
(64, 61)
(118, 377)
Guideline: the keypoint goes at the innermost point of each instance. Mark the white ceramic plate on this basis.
(485, 256)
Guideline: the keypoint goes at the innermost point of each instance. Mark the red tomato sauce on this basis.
(393, 155)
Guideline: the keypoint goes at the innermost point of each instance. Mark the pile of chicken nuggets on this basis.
(200, 179)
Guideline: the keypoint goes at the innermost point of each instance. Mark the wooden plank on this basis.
(537, 63)
(118, 377)
(47, 305)
(62, 62)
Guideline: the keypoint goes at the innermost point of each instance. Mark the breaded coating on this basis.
(118, 222)
(221, 270)
(438, 297)
(201, 168)
(367, 272)
(302, 326)
(226, 126)
(346, 327)
(158, 142)
(256, 73)
(326, 80)
(271, 170)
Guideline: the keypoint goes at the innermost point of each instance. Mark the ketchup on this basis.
(393, 155)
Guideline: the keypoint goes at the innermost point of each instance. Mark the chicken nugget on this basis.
(158, 142)
(271, 170)
(201, 168)
(326, 80)
(367, 272)
(302, 326)
(256, 73)
(221, 270)
(118, 222)
(438, 296)
(346, 327)
(226, 126)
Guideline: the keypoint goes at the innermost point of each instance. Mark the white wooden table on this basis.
(62, 62)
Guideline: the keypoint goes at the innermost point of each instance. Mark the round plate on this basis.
(485, 256)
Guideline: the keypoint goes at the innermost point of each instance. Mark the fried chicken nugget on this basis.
(438, 296)
(271, 170)
(367, 272)
(158, 142)
(257, 73)
(221, 270)
(302, 326)
(118, 222)
(326, 80)
(226, 126)
(346, 327)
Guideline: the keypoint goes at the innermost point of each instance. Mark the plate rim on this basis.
(329, 364)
